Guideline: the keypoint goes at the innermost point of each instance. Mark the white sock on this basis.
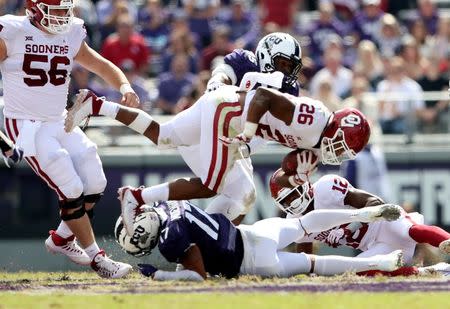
(156, 193)
(325, 219)
(109, 109)
(92, 250)
(334, 265)
(63, 230)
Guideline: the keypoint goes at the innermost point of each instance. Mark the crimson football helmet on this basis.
(55, 16)
(293, 201)
(346, 134)
(279, 44)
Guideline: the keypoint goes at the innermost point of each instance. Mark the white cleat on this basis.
(388, 212)
(442, 269)
(107, 268)
(68, 247)
(391, 261)
(130, 201)
(82, 108)
(444, 247)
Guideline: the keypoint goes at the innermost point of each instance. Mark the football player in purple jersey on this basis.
(276, 51)
(210, 244)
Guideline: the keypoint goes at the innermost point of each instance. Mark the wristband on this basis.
(125, 88)
(250, 129)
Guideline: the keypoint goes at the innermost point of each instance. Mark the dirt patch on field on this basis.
(145, 286)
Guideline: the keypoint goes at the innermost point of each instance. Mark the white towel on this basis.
(27, 137)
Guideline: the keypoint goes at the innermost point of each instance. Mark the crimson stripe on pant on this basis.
(13, 132)
(215, 141)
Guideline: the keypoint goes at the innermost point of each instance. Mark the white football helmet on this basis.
(55, 16)
(145, 236)
(279, 44)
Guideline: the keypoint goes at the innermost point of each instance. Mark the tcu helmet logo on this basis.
(139, 236)
(272, 40)
(350, 121)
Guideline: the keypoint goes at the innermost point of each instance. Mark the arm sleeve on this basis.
(241, 61)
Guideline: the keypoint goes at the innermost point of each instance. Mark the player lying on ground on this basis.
(37, 53)
(209, 243)
(235, 117)
(335, 192)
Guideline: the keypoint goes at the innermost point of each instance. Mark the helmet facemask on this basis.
(56, 19)
(335, 150)
(292, 77)
(296, 200)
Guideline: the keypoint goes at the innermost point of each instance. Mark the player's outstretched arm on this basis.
(359, 198)
(272, 101)
(264, 100)
(94, 62)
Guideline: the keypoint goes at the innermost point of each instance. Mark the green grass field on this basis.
(86, 290)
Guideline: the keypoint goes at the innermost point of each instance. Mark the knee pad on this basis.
(93, 198)
(61, 171)
(73, 209)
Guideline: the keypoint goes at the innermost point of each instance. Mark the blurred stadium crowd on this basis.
(168, 49)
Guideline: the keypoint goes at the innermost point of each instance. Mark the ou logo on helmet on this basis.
(350, 121)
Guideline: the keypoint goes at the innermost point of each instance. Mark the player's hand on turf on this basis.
(147, 269)
(306, 165)
(130, 99)
(238, 140)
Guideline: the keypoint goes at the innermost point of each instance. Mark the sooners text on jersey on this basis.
(36, 73)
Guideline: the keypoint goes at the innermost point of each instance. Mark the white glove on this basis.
(250, 79)
(213, 85)
(334, 236)
(306, 166)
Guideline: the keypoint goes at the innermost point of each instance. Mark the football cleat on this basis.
(391, 261)
(388, 212)
(86, 104)
(130, 201)
(68, 247)
(439, 269)
(444, 246)
(107, 268)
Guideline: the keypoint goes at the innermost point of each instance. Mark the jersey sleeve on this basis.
(241, 61)
(174, 241)
(78, 33)
(9, 28)
(330, 192)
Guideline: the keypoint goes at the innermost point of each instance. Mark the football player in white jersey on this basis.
(234, 117)
(335, 192)
(37, 53)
